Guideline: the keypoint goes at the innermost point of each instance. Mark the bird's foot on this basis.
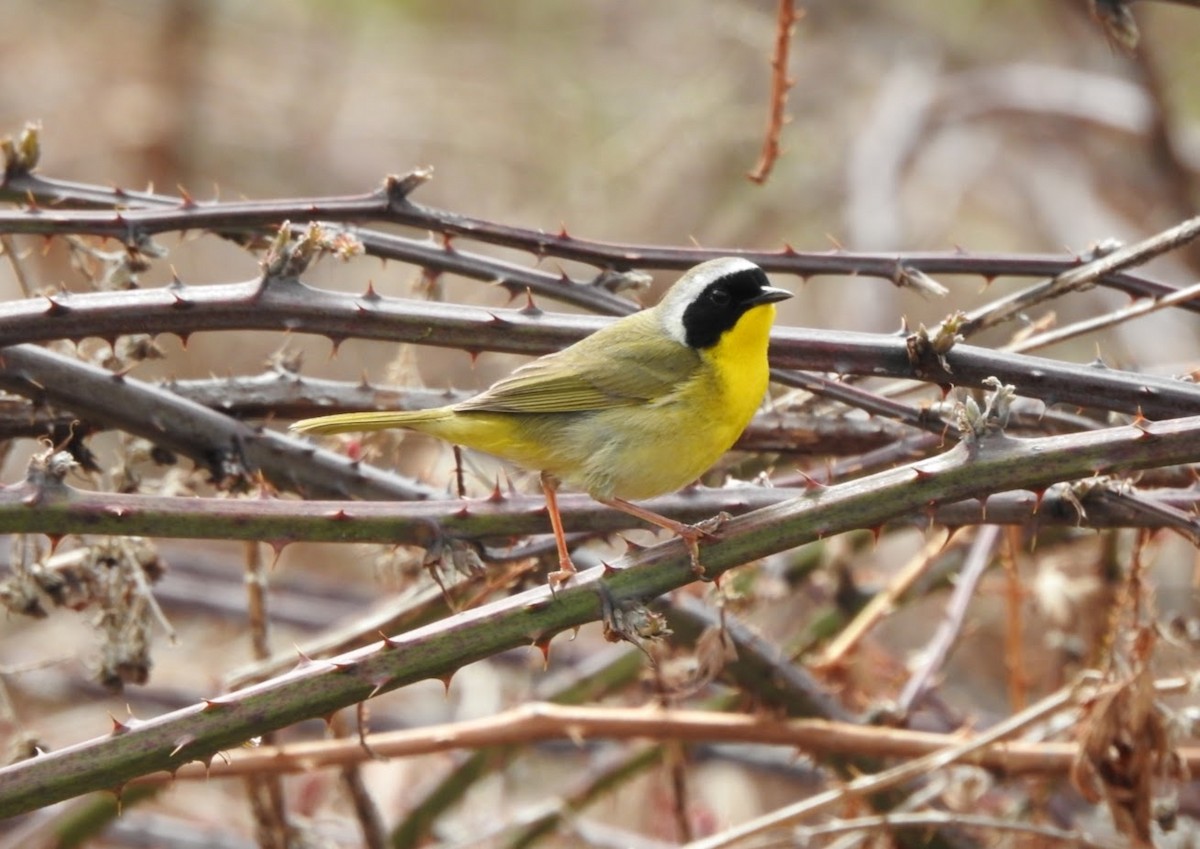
(708, 530)
(566, 571)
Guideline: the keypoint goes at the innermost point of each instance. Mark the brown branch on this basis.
(780, 83)
(537, 722)
(1082, 276)
(285, 304)
(57, 509)
(884, 602)
(141, 214)
(979, 557)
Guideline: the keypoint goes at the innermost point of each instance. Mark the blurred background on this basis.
(922, 125)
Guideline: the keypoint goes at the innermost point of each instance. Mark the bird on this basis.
(642, 407)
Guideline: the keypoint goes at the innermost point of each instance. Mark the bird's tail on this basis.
(344, 422)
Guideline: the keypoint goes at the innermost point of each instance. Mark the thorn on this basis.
(608, 568)
(448, 242)
(276, 546)
(388, 642)
(543, 645)
(54, 539)
(788, 250)
(371, 296)
(181, 743)
(1038, 495)
(446, 681)
(179, 302)
(187, 202)
(633, 546)
(336, 342)
(497, 494)
(811, 483)
(563, 235)
(118, 727)
(397, 188)
(55, 308)
(922, 475)
(341, 516)
(877, 531)
(530, 307)
(119, 793)
(377, 688)
(1143, 425)
(211, 705)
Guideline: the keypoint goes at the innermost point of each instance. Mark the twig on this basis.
(9, 249)
(889, 778)
(954, 819)
(366, 811)
(599, 675)
(230, 450)
(29, 507)
(780, 83)
(979, 557)
(199, 731)
(1108, 319)
(760, 667)
(1017, 676)
(1082, 276)
(264, 791)
(611, 775)
(144, 213)
(537, 722)
(883, 602)
(287, 305)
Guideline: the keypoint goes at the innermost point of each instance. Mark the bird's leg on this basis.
(566, 569)
(690, 534)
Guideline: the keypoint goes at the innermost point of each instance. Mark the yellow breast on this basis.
(668, 444)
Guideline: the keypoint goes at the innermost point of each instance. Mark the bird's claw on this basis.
(708, 530)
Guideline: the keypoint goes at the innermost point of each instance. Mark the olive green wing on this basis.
(627, 363)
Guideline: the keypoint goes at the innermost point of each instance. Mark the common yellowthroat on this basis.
(639, 408)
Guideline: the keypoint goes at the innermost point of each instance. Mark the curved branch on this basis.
(437, 650)
(285, 304)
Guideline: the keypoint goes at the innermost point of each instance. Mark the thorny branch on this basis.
(780, 83)
(992, 478)
(438, 650)
(535, 722)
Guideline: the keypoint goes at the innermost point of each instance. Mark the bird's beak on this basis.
(769, 295)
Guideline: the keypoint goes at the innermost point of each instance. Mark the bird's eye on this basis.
(720, 297)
